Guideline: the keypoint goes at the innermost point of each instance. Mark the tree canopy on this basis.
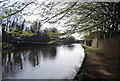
(101, 19)
(93, 18)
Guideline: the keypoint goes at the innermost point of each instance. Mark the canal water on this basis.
(46, 62)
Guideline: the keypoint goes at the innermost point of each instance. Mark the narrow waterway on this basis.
(48, 62)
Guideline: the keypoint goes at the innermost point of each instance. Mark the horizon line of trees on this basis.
(34, 33)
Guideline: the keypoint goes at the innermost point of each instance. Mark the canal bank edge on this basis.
(95, 66)
(80, 74)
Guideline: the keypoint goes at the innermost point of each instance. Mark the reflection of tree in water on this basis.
(12, 62)
(49, 53)
(12, 59)
(6, 61)
(70, 48)
(34, 57)
(18, 59)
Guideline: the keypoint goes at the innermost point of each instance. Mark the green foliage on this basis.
(88, 49)
(6, 46)
(52, 42)
(18, 34)
(94, 17)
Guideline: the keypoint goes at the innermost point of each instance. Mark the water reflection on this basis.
(70, 47)
(12, 63)
(49, 53)
(19, 64)
(34, 57)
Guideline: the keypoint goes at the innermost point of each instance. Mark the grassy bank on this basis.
(88, 49)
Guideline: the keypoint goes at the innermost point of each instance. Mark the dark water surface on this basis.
(50, 62)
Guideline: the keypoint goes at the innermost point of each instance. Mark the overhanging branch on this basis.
(19, 10)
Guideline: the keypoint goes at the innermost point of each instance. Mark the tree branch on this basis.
(19, 10)
(61, 13)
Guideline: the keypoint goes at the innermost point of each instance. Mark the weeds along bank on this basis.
(108, 45)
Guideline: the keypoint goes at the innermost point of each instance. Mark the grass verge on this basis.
(88, 49)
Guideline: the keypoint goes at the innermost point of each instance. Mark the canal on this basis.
(46, 62)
